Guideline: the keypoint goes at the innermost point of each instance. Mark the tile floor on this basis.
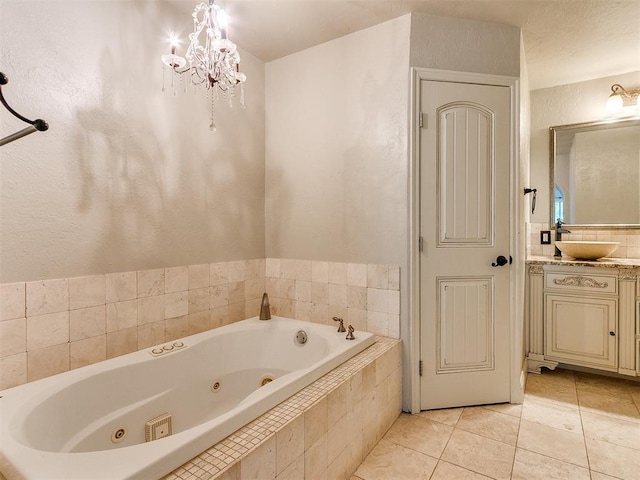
(571, 426)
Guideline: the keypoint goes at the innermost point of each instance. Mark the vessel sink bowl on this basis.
(583, 250)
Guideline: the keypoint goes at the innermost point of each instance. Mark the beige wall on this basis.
(336, 150)
(565, 104)
(126, 178)
(457, 44)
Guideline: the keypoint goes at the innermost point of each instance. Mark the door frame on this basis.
(517, 360)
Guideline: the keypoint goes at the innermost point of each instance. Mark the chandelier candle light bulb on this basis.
(213, 59)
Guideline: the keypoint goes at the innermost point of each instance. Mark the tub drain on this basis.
(215, 386)
(266, 379)
(118, 434)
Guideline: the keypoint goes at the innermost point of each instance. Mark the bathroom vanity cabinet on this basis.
(584, 314)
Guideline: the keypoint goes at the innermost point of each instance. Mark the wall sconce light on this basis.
(621, 99)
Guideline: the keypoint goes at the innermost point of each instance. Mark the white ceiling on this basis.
(565, 41)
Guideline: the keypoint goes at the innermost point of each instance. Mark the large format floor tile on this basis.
(571, 426)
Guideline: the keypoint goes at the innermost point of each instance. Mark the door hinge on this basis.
(420, 367)
(422, 120)
(420, 244)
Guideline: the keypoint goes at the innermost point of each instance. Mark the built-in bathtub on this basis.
(90, 422)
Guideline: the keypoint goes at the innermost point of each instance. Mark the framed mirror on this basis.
(595, 173)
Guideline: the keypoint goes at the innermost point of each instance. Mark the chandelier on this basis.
(212, 60)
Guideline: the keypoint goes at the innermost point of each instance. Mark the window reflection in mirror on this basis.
(596, 173)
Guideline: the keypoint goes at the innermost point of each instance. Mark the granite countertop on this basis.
(608, 262)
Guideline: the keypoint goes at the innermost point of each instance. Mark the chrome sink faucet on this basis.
(559, 231)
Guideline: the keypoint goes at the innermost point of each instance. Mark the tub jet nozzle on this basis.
(265, 311)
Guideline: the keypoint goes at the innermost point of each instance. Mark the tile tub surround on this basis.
(323, 431)
(365, 296)
(51, 326)
(629, 239)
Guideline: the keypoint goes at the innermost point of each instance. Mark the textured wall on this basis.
(126, 178)
(448, 43)
(573, 103)
(336, 151)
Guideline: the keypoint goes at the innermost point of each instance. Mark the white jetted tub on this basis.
(99, 421)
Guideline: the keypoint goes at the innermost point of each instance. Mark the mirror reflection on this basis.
(595, 173)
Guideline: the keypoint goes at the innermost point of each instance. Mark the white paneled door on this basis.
(465, 262)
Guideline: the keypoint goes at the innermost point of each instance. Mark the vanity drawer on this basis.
(581, 282)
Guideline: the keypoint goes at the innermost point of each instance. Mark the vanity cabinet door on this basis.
(581, 331)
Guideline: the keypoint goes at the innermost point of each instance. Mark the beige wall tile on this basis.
(44, 362)
(13, 370)
(219, 274)
(320, 293)
(177, 327)
(199, 299)
(237, 312)
(219, 316)
(236, 271)
(150, 309)
(289, 444)
(150, 282)
(150, 334)
(338, 467)
(121, 287)
(219, 296)
(357, 297)
(315, 423)
(198, 276)
(121, 315)
(176, 304)
(295, 471)
(394, 277)
(47, 330)
(320, 272)
(288, 268)
(88, 351)
(236, 292)
(199, 322)
(378, 323)
(336, 440)
(377, 276)
(254, 269)
(338, 273)
(302, 291)
(272, 268)
(254, 288)
(315, 459)
(357, 275)
(47, 296)
(261, 464)
(87, 291)
(121, 342)
(303, 311)
(377, 300)
(357, 318)
(338, 295)
(12, 300)
(176, 279)
(337, 404)
(87, 322)
(13, 336)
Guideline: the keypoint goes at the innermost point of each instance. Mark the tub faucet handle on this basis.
(350, 335)
(341, 326)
